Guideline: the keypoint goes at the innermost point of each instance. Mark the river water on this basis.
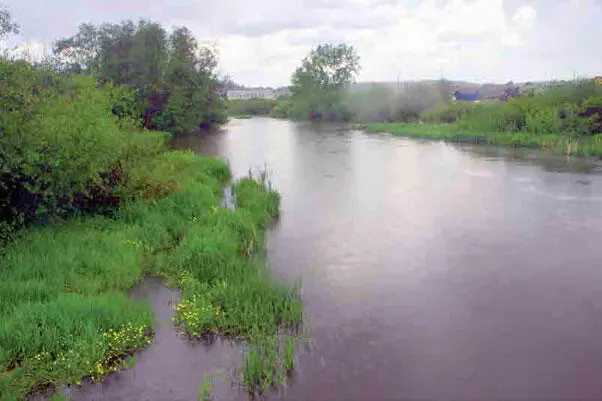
(429, 271)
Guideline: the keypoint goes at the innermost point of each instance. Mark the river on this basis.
(430, 270)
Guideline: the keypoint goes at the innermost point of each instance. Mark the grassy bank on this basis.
(566, 144)
(64, 312)
(566, 118)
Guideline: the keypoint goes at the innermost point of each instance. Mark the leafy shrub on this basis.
(282, 109)
(254, 107)
(63, 150)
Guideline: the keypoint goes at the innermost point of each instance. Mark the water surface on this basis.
(172, 367)
(431, 271)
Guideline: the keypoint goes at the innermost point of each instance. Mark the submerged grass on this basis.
(566, 144)
(64, 313)
(206, 389)
(268, 363)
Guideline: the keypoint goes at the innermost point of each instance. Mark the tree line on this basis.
(172, 78)
(321, 90)
(73, 125)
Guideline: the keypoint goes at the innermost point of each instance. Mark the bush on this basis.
(282, 109)
(253, 107)
(63, 150)
(569, 109)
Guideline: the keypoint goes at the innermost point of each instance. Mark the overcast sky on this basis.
(262, 41)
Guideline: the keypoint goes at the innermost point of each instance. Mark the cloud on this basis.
(261, 43)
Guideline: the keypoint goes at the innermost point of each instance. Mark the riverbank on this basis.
(583, 146)
(63, 300)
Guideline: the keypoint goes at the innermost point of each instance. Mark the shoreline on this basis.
(78, 321)
(450, 133)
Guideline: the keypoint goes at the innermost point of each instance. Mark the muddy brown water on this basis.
(430, 271)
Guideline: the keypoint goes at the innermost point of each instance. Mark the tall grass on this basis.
(565, 144)
(206, 389)
(566, 119)
(63, 310)
(268, 363)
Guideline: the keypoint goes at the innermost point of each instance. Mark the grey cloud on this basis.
(564, 37)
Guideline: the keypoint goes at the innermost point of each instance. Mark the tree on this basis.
(173, 77)
(327, 67)
(7, 26)
(318, 84)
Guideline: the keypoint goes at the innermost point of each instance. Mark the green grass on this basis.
(64, 313)
(206, 389)
(576, 145)
(268, 363)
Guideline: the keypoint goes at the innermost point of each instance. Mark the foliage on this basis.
(253, 107)
(7, 26)
(70, 279)
(268, 363)
(567, 144)
(172, 76)
(327, 67)
(573, 109)
(319, 83)
(447, 113)
(283, 108)
(205, 389)
(63, 151)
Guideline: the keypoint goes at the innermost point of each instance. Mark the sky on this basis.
(262, 42)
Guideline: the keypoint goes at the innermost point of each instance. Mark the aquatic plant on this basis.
(63, 309)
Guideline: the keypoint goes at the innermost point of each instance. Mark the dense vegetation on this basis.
(319, 85)
(567, 118)
(250, 107)
(64, 311)
(62, 151)
(322, 89)
(173, 81)
(90, 203)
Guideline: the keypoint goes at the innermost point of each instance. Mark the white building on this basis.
(257, 93)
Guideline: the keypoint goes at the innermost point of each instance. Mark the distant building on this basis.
(466, 97)
(253, 93)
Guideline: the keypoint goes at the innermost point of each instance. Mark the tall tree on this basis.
(173, 77)
(7, 26)
(318, 84)
(328, 67)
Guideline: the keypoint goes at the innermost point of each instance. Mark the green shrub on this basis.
(63, 150)
(253, 107)
(282, 108)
